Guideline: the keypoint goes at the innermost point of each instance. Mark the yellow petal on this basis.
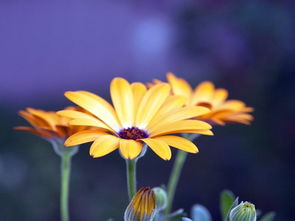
(171, 103)
(43, 115)
(122, 98)
(151, 103)
(38, 132)
(217, 114)
(139, 91)
(179, 114)
(181, 126)
(219, 97)
(217, 121)
(83, 137)
(95, 105)
(159, 147)
(74, 114)
(90, 123)
(233, 105)
(247, 109)
(239, 118)
(244, 116)
(83, 119)
(179, 86)
(203, 92)
(36, 122)
(236, 120)
(180, 143)
(203, 132)
(104, 145)
(130, 149)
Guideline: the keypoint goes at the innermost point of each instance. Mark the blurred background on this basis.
(49, 47)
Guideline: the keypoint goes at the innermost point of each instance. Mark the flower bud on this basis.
(245, 211)
(161, 198)
(142, 206)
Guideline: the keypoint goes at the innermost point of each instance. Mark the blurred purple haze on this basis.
(50, 47)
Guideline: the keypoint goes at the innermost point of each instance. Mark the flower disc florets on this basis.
(133, 133)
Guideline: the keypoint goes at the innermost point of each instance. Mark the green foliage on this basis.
(268, 217)
(227, 199)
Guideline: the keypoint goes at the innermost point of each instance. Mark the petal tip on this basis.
(67, 94)
(170, 75)
(69, 142)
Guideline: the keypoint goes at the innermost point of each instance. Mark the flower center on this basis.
(133, 133)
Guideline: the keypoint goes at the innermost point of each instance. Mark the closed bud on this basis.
(245, 211)
(142, 206)
(161, 198)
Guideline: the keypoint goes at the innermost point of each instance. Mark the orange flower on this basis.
(47, 124)
(205, 95)
(138, 115)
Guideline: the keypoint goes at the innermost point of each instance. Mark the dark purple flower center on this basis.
(133, 133)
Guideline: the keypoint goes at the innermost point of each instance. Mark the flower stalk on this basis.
(174, 178)
(66, 154)
(65, 182)
(131, 177)
(175, 173)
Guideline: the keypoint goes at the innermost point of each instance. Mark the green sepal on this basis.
(161, 198)
(61, 150)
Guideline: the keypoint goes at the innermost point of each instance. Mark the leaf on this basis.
(268, 217)
(200, 213)
(226, 201)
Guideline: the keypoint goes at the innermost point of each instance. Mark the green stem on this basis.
(175, 174)
(131, 177)
(65, 181)
(174, 178)
(65, 154)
